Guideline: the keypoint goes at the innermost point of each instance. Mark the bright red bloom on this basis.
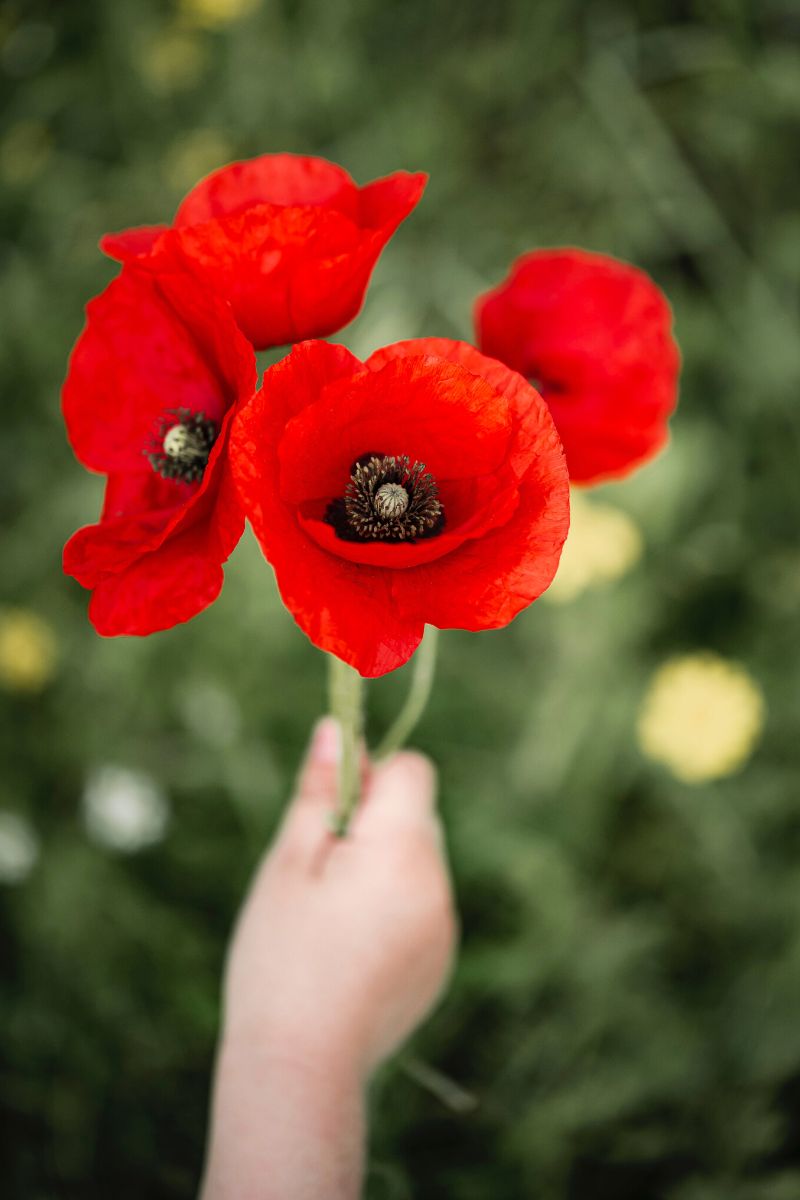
(427, 485)
(290, 241)
(153, 384)
(594, 335)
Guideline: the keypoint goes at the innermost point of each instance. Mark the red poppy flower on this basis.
(290, 241)
(425, 485)
(152, 387)
(594, 335)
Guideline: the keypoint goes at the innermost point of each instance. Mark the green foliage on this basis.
(625, 1009)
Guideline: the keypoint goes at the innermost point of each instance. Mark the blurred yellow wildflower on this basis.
(171, 61)
(213, 14)
(702, 716)
(24, 152)
(603, 544)
(193, 156)
(28, 651)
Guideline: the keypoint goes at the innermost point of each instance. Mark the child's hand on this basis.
(341, 949)
(343, 945)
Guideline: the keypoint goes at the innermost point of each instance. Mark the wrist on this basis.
(277, 1106)
(282, 1051)
(297, 1032)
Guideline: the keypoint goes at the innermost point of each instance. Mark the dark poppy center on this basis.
(388, 499)
(181, 444)
(546, 387)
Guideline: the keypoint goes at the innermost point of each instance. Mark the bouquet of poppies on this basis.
(425, 487)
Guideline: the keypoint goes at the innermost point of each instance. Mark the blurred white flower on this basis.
(124, 810)
(603, 543)
(19, 848)
(702, 716)
(210, 713)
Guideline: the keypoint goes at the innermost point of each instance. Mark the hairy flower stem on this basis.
(423, 667)
(346, 703)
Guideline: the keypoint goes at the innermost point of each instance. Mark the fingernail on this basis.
(326, 741)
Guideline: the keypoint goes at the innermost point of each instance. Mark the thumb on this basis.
(317, 779)
(305, 822)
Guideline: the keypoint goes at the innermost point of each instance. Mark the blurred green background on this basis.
(625, 1019)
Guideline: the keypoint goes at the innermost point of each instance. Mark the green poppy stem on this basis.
(423, 667)
(346, 703)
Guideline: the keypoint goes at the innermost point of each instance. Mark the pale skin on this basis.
(341, 949)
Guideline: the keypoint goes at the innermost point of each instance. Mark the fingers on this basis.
(398, 794)
(305, 821)
(317, 781)
(401, 790)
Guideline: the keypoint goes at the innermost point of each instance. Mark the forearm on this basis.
(284, 1127)
(336, 958)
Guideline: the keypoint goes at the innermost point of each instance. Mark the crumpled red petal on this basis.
(488, 581)
(158, 590)
(345, 611)
(596, 334)
(449, 420)
(278, 179)
(368, 602)
(289, 240)
(152, 345)
(141, 511)
(131, 244)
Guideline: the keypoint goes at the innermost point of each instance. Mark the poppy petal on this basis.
(384, 203)
(454, 423)
(345, 611)
(368, 602)
(261, 259)
(279, 179)
(488, 581)
(596, 334)
(154, 344)
(290, 241)
(151, 346)
(131, 244)
(158, 590)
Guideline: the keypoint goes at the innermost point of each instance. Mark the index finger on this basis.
(401, 790)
